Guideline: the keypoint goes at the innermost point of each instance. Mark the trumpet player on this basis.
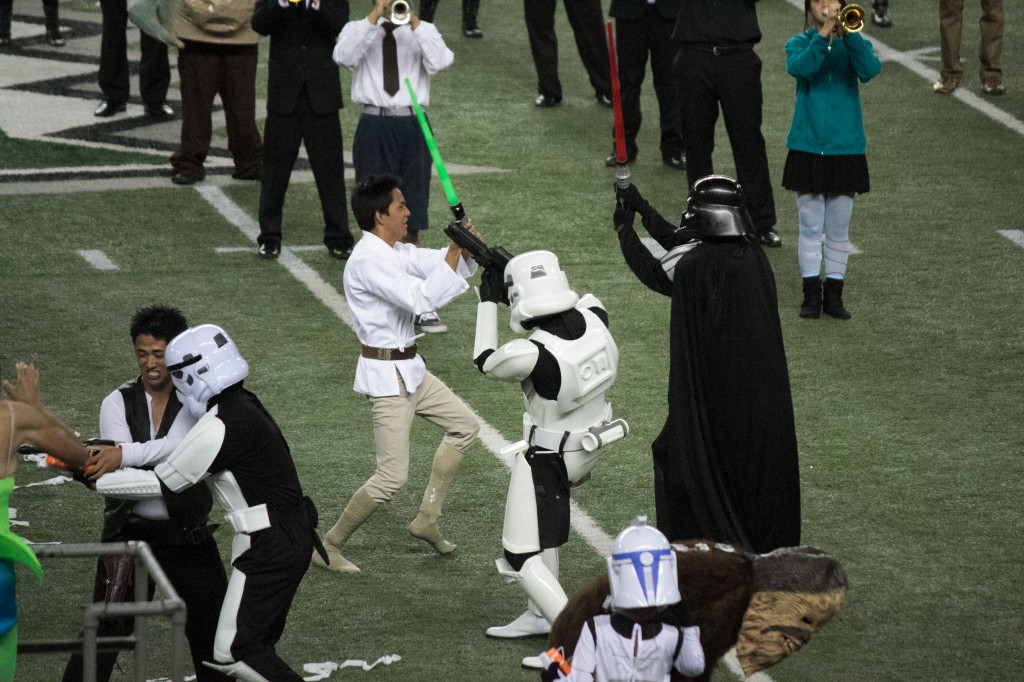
(827, 165)
(384, 49)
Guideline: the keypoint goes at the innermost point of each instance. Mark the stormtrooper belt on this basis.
(389, 353)
(557, 441)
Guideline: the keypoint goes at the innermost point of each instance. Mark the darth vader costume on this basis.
(725, 462)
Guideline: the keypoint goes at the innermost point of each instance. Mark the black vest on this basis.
(190, 508)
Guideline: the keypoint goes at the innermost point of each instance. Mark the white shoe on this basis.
(431, 323)
(533, 663)
(527, 625)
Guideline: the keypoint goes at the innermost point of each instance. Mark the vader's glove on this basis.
(630, 198)
(623, 217)
(492, 286)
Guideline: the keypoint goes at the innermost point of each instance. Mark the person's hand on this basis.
(492, 286)
(622, 217)
(831, 24)
(102, 461)
(26, 388)
(630, 198)
(379, 10)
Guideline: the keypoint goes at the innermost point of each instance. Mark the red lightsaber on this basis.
(622, 167)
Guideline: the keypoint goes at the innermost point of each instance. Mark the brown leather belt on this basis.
(389, 353)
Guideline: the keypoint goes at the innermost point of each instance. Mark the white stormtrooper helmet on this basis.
(536, 287)
(642, 568)
(203, 361)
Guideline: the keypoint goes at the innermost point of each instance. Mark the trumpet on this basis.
(399, 12)
(851, 19)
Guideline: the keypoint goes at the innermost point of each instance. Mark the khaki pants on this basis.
(392, 422)
(951, 15)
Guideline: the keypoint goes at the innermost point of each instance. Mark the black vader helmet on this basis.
(717, 208)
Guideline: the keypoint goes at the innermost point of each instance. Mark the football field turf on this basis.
(909, 417)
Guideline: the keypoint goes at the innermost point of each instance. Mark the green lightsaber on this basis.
(446, 183)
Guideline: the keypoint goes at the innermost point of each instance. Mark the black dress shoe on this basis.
(604, 100)
(109, 107)
(339, 252)
(182, 179)
(612, 162)
(676, 162)
(547, 101)
(55, 38)
(5, 41)
(474, 32)
(162, 111)
(770, 238)
(269, 251)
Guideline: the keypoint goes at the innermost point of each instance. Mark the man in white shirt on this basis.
(387, 283)
(145, 419)
(388, 139)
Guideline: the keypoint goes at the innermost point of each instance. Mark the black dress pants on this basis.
(634, 40)
(154, 69)
(282, 135)
(731, 80)
(587, 22)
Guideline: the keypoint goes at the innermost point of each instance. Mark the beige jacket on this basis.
(215, 21)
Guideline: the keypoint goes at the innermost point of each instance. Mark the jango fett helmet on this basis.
(537, 287)
(717, 207)
(203, 361)
(642, 568)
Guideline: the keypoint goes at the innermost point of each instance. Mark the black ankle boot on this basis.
(469, 25)
(811, 307)
(832, 299)
(53, 35)
(427, 9)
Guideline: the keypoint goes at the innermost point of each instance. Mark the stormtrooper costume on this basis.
(237, 449)
(564, 366)
(624, 645)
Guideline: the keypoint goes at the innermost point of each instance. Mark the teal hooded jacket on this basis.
(827, 115)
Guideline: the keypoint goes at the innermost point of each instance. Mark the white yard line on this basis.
(98, 259)
(1015, 236)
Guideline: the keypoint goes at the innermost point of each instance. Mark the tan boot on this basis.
(359, 508)
(442, 475)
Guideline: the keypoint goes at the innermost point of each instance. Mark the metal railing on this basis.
(171, 606)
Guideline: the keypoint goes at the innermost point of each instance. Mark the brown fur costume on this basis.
(772, 603)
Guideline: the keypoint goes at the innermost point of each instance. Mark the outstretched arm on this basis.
(30, 422)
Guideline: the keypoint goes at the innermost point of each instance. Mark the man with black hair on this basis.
(725, 463)
(145, 419)
(387, 283)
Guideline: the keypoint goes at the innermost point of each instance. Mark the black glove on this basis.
(492, 286)
(623, 217)
(630, 198)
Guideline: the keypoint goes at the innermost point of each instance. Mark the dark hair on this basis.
(159, 321)
(372, 196)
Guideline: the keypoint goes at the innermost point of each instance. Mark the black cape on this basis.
(725, 463)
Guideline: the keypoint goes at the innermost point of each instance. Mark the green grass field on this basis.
(908, 416)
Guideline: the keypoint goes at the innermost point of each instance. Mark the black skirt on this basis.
(821, 174)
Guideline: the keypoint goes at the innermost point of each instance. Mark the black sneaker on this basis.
(880, 17)
(270, 251)
(339, 252)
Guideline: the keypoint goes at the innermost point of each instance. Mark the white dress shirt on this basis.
(421, 54)
(386, 287)
(114, 426)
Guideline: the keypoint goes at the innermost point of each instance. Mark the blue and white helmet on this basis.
(642, 568)
(203, 361)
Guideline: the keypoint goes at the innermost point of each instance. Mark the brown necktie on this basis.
(390, 59)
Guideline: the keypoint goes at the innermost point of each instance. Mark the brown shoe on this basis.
(993, 88)
(945, 86)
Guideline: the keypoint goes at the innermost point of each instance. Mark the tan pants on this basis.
(392, 423)
(951, 15)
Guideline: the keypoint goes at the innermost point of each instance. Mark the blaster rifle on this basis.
(486, 256)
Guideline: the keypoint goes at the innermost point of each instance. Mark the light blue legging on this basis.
(828, 214)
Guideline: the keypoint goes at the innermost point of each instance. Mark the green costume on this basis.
(12, 549)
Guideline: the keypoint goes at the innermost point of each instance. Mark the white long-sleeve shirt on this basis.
(421, 54)
(611, 655)
(114, 426)
(386, 287)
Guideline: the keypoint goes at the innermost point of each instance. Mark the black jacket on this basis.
(301, 46)
(634, 9)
